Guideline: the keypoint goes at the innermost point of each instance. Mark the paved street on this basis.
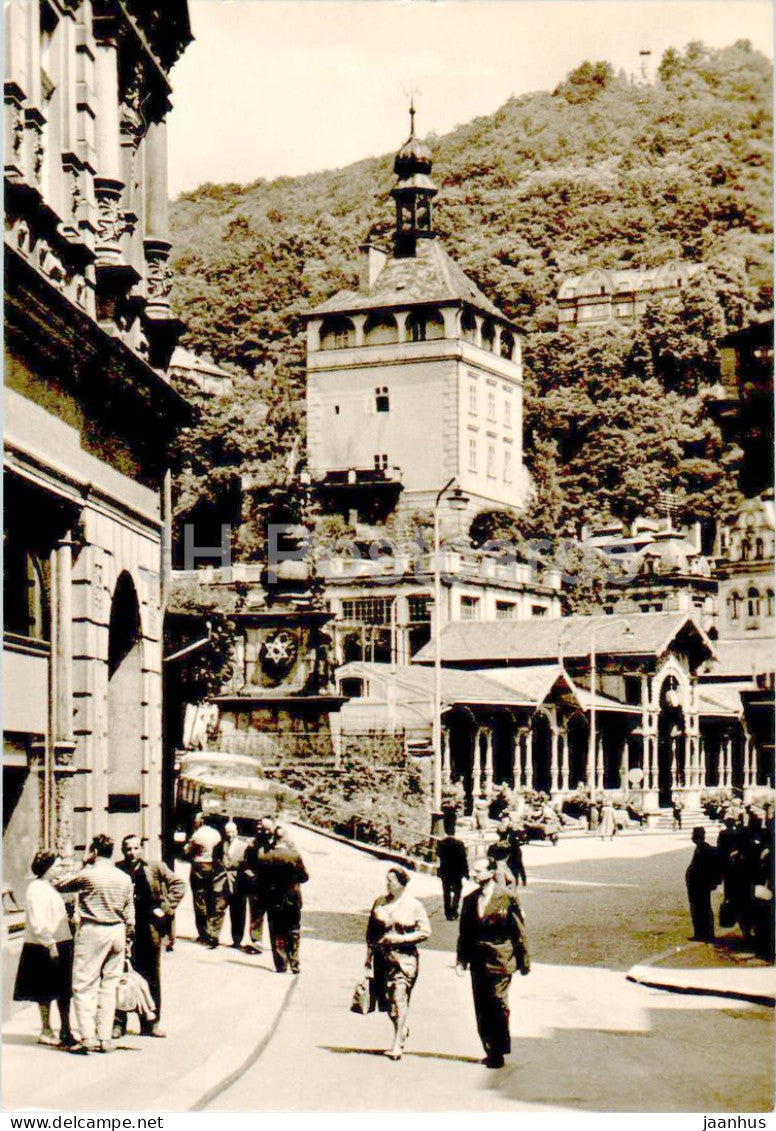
(583, 1037)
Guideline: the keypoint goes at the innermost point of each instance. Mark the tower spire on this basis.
(413, 191)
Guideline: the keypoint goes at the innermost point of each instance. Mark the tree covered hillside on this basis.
(602, 171)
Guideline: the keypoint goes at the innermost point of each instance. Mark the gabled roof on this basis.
(429, 276)
(457, 687)
(537, 681)
(539, 639)
(744, 659)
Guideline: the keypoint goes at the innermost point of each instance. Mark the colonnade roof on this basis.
(637, 634)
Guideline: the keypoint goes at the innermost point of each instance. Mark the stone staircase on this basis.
(691, 818)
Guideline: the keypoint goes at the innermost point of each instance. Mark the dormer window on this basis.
(382, 399)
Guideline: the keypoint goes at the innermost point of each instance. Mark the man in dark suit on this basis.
(158, 891)
(510, 849)
(702, 876)
(492, 946)
(228, 889)
(277, 870)
(453, 870)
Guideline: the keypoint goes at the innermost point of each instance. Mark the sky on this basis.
(282, 87)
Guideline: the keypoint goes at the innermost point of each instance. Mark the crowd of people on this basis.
(742, 862)
(119, 918)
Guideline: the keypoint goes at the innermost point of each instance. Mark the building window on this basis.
(491, 461)
(508, 463)
(337, 333)
(508, 410)
(759, 549)
(752, 603)
(382, 399)
(538, 610)
(769, 603)
(419, 610)
(491, 404)
(472, 453)
(632, 690)
(734, 606)
(381, 462)
(25, 591)
(367, 610)
(416, 328)
(746, 549)
(473, 396)
(506, 610)
(469, 608)
(352, 688)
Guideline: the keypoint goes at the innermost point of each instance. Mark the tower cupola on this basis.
(413, 193)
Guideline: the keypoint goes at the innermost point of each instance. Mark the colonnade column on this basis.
(564, 761)
(517, 758)
(477, 765)
(554, 784)
(488, 762)
(747, 761)
(529, 759)
(445, 737)
(624, 765)
(599, 762)
(108, 186)
(728, 760)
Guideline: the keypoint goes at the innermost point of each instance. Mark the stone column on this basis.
(564, 761)
(720, 765)
(445, 736)
(477, 765)
(488, 762)
(401, 323)
(156, 244)
(728, 760)
(702, 778)
(554, 782)
(517, 758)
(747, 761)
(63, 746)
(754, 764)
(358, 321)
(624, 765)
(599, 762)
(529, 759)
(108, 186)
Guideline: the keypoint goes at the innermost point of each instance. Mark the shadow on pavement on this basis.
(407, 1053)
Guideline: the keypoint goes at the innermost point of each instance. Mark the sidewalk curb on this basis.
(647, 974)
(376, 850)
(226, 1082)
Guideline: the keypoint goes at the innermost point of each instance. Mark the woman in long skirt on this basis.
(397, 924)
(46, 964)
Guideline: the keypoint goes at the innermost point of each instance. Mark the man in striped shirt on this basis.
(107, 920)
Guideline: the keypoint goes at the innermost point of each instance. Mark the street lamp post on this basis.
(457, 501)
(591, 754)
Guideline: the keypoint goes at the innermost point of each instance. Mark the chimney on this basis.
(372, 263)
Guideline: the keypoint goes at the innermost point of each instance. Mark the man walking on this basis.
(509, 837)
(492, 946)
(228, 889)
(278, 871)
(107, 918)
(453, 870)
(157, 892)
(199, 849)
(702, 876)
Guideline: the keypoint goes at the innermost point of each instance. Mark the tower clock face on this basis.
(278, 654)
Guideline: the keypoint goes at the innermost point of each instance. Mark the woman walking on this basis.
(46, 964)
(397, 924)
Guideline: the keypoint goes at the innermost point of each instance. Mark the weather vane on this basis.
(411, 95)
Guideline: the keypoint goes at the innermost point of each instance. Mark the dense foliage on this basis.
(603, 171)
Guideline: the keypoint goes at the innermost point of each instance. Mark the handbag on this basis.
(727, 914)
(134, 996)
(364, 996)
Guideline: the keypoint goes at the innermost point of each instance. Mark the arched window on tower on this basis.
(488, 335)
(380, 330)
(337, 333)
(382, 399)
(425, 324)
(769, 603)
(746, 549)
(759, 549)
(468, 327)
(507, 345)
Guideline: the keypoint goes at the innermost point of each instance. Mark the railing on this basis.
(394, 836)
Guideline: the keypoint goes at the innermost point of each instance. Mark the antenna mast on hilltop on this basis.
(644, 55)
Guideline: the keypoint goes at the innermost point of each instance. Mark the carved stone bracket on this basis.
(158, 277)
(110, 221)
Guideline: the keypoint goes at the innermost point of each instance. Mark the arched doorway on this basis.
(671, 742)
(541, 753)
(125, 711)
(578, 738)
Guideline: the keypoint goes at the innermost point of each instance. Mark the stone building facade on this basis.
(89, 415)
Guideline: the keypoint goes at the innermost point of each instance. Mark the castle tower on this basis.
(413, 376)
